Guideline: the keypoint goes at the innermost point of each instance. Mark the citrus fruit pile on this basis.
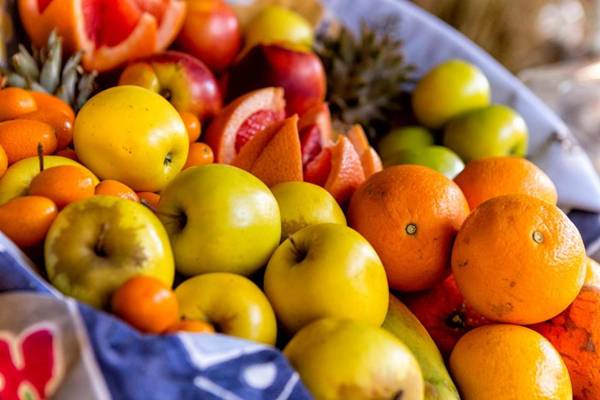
(219, 166)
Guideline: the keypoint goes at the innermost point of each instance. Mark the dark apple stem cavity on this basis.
(456, 320)
(168, 159)
(166, 93)
(40, 154)
(99, 247)
(299, 253)
(398, 395)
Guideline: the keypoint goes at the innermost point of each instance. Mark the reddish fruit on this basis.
(182, 79)
(108, 32)
(299, 73)
(274, 155)
(147, 304)
(210, 22)
(444, 313)
(242, 119)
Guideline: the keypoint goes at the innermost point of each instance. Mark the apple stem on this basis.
(40, 154)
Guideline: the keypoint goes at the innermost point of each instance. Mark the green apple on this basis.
(326, 270)
(343, 359)
(439, 158)
(448, 90)
(219, 219)
(15, 181)
(233, 304)
(407, 137)
(492, 131)
(96, 244)
(302, 204)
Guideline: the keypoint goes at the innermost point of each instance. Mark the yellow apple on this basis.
(132, 135)
(343, 359)
(219, 219)
(96, 244)
(326, 270)
(233, 304)
(302, 204)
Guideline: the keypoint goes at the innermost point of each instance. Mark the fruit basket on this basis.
(57, 347)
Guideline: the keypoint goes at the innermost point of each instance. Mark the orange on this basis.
(519, 259)
(410, 214)
(110, 187)
(45, 101)
(199, 154)
(190, 325)
(346, 173)
(149, 198)
(192, 125)
(3, 162)
(63, 184)
(576, 335)
(370, 160)
(26, 220)
(108, 33)
(15, 102)
(273, 155)
(20, 138)
(491, 177)
(62, 124)
(146, 303)
(508, 362)
(68, 153)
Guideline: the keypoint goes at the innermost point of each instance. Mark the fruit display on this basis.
(196, 176)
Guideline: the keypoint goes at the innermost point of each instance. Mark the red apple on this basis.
(211, 32)
(182, 79)
(299, 73)
(443, 312)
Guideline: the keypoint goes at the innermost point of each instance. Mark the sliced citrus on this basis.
(109, 32)
(368, 156)
(242, 119)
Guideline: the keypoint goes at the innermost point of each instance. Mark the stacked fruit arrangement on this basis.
(296, 235)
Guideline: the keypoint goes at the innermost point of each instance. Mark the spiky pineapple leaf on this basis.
(367, 75)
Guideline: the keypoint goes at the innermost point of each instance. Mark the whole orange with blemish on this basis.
(410, 214)
(110, 187)
(15, 102)
(61, 122)
(192, 125)
(146, 303)
(519, 259)
(491, 177)
(63, 184)
(26, 220)
(576, 335)
(20, 138)
(508, 362)
(199, 154)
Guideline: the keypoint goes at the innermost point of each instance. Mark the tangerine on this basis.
(26, 220)
(20, 138)
(199, 154)
(63, 184)
(15, 102)
(110, 187)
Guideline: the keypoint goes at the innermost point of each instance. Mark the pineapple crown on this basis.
(43, 70)
(367, 75)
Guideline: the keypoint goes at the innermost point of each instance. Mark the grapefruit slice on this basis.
(108, 32)
(338, 169)
(369, 158)
(274, 154)
(315, 131)
(242, 119)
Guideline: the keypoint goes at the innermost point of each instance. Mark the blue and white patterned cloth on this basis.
(97, 356)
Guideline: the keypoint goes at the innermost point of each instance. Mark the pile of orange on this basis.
(517, 260)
